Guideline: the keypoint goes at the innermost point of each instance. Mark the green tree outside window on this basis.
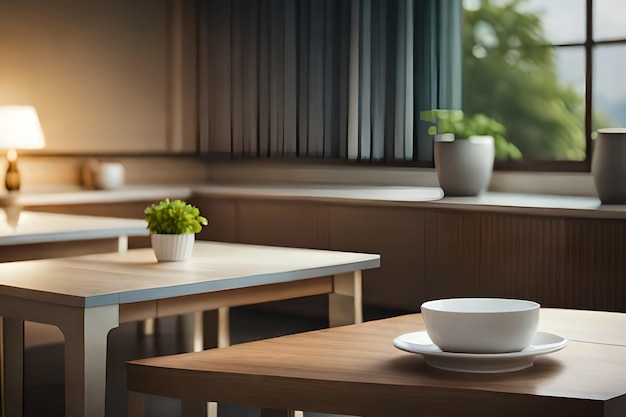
(509, 73)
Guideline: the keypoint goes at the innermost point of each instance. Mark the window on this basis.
(350, 80)
(332, 79)
(550, 71)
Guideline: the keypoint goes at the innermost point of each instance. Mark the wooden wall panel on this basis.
(222, 217)
(452, 254)
(568, 263)
(595, 264)
(428, 254)
(283, 223)
(521, 257)
(397, 234)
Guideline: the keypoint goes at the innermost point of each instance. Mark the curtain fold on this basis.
(354, 80)
(335, 79)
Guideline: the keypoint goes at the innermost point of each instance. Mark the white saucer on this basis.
(419, 342)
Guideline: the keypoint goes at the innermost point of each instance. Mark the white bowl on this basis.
(481, 325)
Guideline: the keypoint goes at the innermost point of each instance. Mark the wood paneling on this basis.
(397, 234)
(429, 253)
(222, 217)
(283, 223)
(594, 264)
(572, 263)
(451, 254)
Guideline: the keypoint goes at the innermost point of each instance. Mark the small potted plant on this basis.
(465, 149)
(173, 226)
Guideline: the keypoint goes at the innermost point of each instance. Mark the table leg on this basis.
(214, 331)
(211, 409)
(136, 404)
(185, 329)
(146, 327)
(198, 331)
(209, 329)
(13, 341)
(345, 306)
(223, 327)
(345, 303)
(85, 359)
(122, 244)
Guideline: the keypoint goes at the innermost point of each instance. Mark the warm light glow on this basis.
(20, 128)
(12, 155)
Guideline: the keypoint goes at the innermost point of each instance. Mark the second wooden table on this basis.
(89, 295)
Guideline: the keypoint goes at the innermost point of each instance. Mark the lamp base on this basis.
(13, 215)
(12, 179)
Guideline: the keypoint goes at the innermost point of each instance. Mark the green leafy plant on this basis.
(453, 121)
(174, 217)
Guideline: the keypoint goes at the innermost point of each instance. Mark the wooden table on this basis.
(48, 235)
(32, 235)
(356, 370)
(89, 295)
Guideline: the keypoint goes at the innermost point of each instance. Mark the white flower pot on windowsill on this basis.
(172, 247)
(464, 166)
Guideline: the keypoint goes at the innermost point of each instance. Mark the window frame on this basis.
(589, 44)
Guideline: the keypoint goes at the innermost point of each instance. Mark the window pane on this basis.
(570, 66)
(537, 92)
(549, 124)
(609, 93)
(563, 20)
(609, 19)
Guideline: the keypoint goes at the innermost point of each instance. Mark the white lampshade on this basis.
(20, 128)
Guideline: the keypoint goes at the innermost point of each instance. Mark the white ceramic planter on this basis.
(464, 166)
(169, 248)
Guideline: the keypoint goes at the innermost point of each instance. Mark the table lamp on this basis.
(19, 129)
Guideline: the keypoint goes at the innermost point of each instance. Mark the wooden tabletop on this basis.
(48, 194)
(118, 278)
(34, 227)
(356, 370)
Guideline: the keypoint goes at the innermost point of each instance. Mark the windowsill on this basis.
(276, 172)
(43, 195)
(420, 197)
(538, 204)
(546, 194)
(541, 193)
(345, 194)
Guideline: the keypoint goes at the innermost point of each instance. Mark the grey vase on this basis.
(608, 165)
(464, 166)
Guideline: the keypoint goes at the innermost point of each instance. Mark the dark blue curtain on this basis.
(337, 79)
